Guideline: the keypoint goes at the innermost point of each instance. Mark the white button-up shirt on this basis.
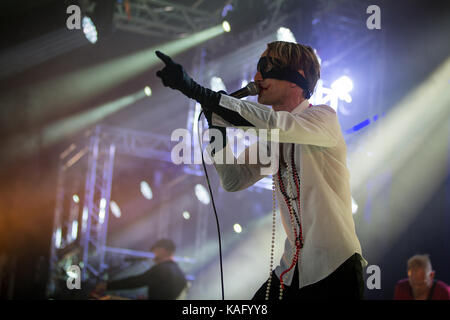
(320, 159)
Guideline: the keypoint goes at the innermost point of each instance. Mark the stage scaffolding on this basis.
(80, 227)
(86, 246)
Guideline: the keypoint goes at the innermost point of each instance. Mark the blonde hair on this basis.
(297, 57)
(420, 261)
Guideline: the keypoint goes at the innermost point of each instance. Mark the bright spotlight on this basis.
(115, 209)
(285, 34)
(217, 84)
(148, 91)
(72, 274)
(354, 206)
(74, 229)
(58, 238)
(89, 29)
(75, 198)
(237, 228)
(228, 7)
(146, 190)
(84, 219)
(226, 26)
(342, 87)
(202, 194)
(318, 57)
(102, 212)
(186, 215)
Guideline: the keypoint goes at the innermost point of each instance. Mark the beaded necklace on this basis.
(299, 241)
(298, 236)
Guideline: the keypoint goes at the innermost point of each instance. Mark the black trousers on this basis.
(346, 282)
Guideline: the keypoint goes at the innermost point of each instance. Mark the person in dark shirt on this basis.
(164, 281)
(421, 284)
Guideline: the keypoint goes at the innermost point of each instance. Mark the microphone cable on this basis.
(250, 89)
(213, 204)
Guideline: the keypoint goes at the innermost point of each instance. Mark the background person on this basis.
(421, 283)
(164, 281)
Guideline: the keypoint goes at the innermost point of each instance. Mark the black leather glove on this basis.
(174, 76)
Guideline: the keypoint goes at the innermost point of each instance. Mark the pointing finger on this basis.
(166, 59)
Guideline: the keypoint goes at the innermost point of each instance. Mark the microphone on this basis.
(250, 89)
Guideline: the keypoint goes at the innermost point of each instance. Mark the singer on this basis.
(322, 256)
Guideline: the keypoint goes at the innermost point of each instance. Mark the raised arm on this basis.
(316, 126)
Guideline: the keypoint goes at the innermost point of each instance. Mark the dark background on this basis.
(416, 37)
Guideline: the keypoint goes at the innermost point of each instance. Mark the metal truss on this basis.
(65, 224)
(138, 143)
(163, 18)
(105, 143)
(172, 19)
(94, 225)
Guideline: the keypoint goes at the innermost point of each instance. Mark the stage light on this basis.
(354, 206)
(74, 229)
(84, 84)
(202, 194)
(146, 190)
(225, 10)
(115, 209)
(186, 215)
(84, 219)
(72, 274)
(318, 57)
(148, 91)
(237, 228)
(410, 164)
(79, 86)
(58, 238)
(75, 198)
(226, 26)
(89, 29)
(102, 212)
(65, 127)
(285, 34)
(216, 84)
(342, 87)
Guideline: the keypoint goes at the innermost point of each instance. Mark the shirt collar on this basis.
(301, 107)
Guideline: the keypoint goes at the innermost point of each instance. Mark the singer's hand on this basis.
(173, 74)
